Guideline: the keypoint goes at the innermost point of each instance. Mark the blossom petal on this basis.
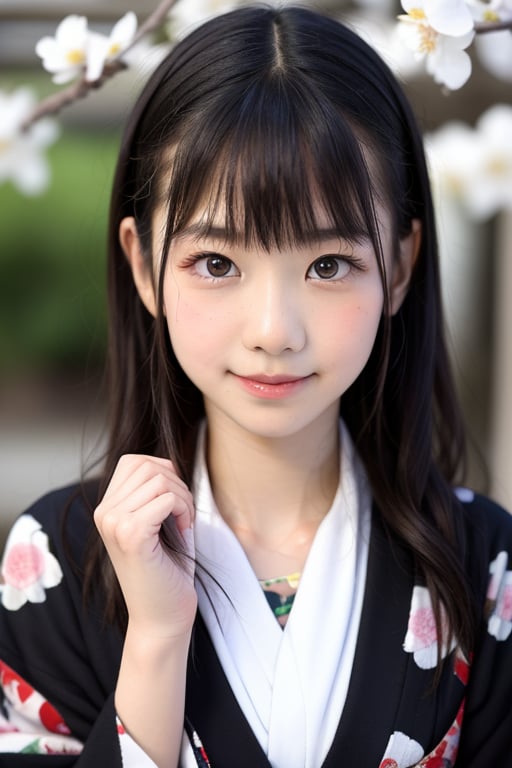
(449, 65)
(97, 52)
(412, 5)
(123, 32)
(14, 108)
(64, 54)
(495, 53)
(72, 31)
(46, 47)
(450, 18)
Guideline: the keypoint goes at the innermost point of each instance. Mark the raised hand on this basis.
(143, 493)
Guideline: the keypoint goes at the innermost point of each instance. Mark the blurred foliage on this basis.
(52, 261)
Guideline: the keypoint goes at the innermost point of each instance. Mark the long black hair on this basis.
(263, 114)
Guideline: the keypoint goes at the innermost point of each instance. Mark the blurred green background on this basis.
(52, 264)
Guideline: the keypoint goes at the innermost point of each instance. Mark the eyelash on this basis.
(352, 262)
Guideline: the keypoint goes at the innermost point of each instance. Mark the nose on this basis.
(274, 317)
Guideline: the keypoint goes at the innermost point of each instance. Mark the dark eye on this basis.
(216, 265)
(329, 268)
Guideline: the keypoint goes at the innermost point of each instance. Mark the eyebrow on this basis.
(221, 234)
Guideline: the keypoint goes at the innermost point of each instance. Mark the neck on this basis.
(273, 486)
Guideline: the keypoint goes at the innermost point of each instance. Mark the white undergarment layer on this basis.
(291, 683)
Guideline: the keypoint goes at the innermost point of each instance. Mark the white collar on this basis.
(290, 683)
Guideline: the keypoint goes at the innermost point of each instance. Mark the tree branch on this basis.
(483, 27)
(81, 88)
(153, 21)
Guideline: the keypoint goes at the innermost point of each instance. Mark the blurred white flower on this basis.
(495, 52)
(448, 17)
(102, 49)
(494, 188)
(490, 10)
(21, 152)
(75, 49)
(453, 161)
(65, 54)
(474, 166)
(384, 36)
(184, 17)
(439, 32)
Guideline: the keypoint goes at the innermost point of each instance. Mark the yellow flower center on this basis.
(454, 185)
(75, 57)
(418, 14)
(428, 39)
(491, 15)
(4, 145)
(498, 166)
(114, 49)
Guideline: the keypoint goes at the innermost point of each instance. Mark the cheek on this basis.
(196, 331)
(354, 323)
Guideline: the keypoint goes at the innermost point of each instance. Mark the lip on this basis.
(272, 387)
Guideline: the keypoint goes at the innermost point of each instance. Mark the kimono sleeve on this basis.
(58, 661)
(486, 738)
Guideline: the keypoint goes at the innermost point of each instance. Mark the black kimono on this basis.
(59, 660)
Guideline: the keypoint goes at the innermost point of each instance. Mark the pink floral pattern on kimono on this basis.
(30, 724)
(28, 567)
(421, 639)
(499, 598)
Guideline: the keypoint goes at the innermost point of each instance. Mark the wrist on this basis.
(148, 642)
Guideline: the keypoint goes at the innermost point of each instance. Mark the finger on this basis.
(133, 471)
(138, 532)
(157, 485)
(176, 502)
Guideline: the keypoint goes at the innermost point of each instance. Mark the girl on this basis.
(284, 440)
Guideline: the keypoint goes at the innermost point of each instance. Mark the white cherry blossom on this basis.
(22, 159)
(65, 54)
(490, 10)
(453, 160)
(474, 165)
(448, 17)
(102, 49)
(495, 52)
(439, 32)
(493, 190)
(75, 50)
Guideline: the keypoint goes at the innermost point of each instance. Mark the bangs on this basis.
(272, 170)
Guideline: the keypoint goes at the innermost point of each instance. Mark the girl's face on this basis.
(274, 338)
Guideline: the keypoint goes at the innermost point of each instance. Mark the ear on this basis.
(404, 266)
(141, 271)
